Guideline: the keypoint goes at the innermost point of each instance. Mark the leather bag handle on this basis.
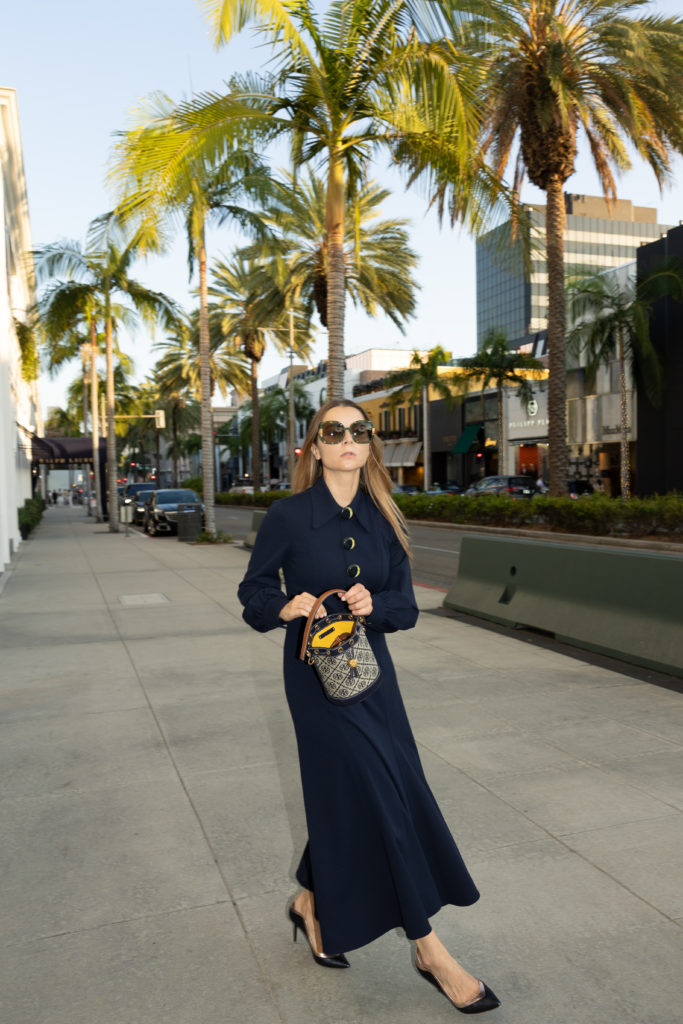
(311, 617)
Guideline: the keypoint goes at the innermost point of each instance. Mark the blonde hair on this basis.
(374, 478)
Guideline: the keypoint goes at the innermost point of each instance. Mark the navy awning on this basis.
(64, 451)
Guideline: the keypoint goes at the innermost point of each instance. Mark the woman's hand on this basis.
(300, 607)
(358, 598)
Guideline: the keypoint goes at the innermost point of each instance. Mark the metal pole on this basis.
(290, 432)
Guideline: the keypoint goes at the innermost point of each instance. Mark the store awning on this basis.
(401, 453)
(466, 439)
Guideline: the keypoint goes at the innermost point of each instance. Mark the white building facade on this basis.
(20, 415)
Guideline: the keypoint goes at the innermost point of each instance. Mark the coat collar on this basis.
(326, 508)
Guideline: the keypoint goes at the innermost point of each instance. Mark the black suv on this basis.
(514, 486)
(161, 509)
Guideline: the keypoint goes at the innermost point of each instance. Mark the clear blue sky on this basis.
(79, 67)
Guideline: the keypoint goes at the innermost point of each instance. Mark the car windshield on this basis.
(174, 497)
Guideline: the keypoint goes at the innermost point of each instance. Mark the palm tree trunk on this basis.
(624, 453)
(501, 447)
(255, 429)
(174, 427)
(95, 421)
(85, 428)
(205, 378)
(334, 222)
(112, 467)
(426, 441)
(555, 221)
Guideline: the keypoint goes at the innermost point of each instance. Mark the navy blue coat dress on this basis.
(379, 853)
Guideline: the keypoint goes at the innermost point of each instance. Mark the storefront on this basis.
(527, 433)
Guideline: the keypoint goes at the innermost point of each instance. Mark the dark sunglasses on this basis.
(334, 432)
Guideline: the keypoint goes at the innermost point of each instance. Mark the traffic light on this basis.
(297, 452)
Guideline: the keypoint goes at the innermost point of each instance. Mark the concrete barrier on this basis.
(626, 604)
(256, 520)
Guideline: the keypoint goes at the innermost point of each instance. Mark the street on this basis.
(435, 548)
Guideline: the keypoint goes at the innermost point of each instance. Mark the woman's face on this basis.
(348, 455)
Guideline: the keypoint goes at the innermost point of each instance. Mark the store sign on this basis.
(527, 420)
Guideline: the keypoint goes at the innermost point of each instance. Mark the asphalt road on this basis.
(435, 548)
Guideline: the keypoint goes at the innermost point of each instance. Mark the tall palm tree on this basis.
(421, 377)
(164, 177)
(273, 413)
(178, 371)
(347, 83)
(379, 264)
(253, 313)
(610, 319)
(102, 267)
(501, 366)
(553, 70)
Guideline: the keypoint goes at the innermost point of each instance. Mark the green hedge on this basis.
(30, 514)
(597, 516)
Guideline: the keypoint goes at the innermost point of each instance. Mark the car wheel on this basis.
(152, 528)
(145, 526)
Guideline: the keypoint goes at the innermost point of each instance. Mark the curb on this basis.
(667, 547)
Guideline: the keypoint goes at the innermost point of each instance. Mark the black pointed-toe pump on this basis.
(324, 959)
(487, 1000)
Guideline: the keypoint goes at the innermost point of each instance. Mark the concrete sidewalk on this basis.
(151, 815)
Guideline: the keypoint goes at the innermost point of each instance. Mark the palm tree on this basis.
(254, 313)
(378, 262)
(496, 364)
(347, 83)
(610, 319)
(163, 177)
(178, 371)
(416, 382)
(102, 268)
(551, 68)
(273, 413)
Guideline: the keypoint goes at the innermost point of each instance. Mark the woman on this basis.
(379, 854)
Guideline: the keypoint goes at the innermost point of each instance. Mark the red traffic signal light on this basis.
(297, 451)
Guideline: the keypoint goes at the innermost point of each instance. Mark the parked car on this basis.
(246, 488)
(513, 486)
(405, 489)
(138, 504)
(278, 485)
(131, 491)
(161, 510)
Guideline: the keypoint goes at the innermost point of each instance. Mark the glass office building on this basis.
(512, 292)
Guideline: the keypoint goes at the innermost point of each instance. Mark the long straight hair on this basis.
(374, 478)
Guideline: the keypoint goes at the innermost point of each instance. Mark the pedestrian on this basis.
(379, 853)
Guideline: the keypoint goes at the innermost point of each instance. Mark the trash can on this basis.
(189, 521)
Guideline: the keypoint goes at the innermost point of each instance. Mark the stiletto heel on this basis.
(487, 1000)
(324, 959)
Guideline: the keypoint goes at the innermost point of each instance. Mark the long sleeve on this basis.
(260, 591)
(395, 608)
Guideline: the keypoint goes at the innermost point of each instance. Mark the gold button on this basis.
(347, 513)
(353, 571)
(349, 543)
